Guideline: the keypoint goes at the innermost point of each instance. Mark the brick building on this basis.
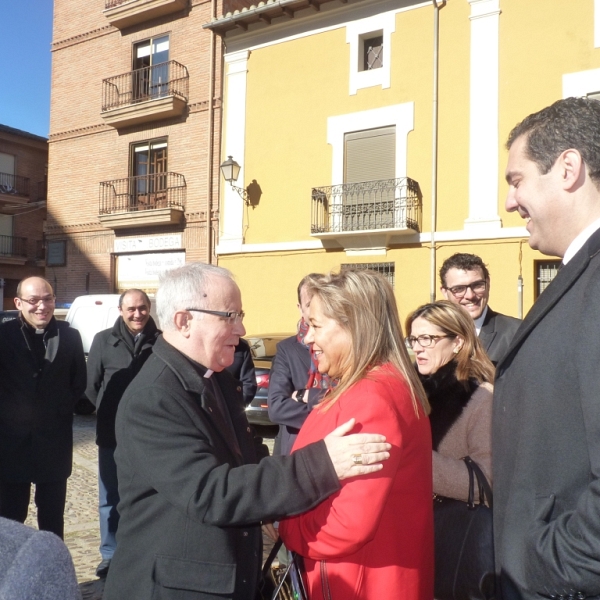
(23, 169)
(133, 152)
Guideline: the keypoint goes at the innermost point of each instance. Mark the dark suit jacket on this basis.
(190, 503)
(243, 370)
(36, 403)
(497, 333)
(289, 372)
(112, 364)
(546, 441)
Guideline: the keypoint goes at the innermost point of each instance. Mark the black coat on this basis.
(190, 504)
(36, 403)
(243, 370)
(497, 333)
(289, 373)
(112, 364)
(546, 441)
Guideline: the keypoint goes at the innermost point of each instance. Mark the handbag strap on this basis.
(485, 490)
(271, 557)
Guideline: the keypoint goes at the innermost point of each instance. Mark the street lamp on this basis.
(230, 170)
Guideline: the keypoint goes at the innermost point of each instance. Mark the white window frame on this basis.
(356, 32)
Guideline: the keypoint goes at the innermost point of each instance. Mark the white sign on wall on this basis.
(140, 244)
(142, 270)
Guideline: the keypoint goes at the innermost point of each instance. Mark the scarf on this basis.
(447, 397)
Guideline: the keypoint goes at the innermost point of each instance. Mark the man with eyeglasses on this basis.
(116, 356)
(465, 280)
(192, 491)
(42, 376)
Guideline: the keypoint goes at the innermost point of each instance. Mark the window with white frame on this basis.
(369, 40)
(545, 272)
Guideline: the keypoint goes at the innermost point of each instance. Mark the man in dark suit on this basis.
(295, 386)
(465, 280)
(116, 356)
(192, 491)
(546, 419)
(42, 376)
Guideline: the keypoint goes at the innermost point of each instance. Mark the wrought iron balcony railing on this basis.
(368, 205)
(150, 83)
(143, 192)
(14, 184)
(13, 246)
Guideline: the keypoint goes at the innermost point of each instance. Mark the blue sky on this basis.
(26, 59)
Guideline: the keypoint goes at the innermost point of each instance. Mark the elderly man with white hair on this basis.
(193, 493)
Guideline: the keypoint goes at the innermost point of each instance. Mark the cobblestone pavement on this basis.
(82, 535)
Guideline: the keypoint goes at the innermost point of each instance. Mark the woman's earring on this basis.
(456, 350)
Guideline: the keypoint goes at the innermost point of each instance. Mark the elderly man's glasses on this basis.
(477, 287)
(424, 340)
(37, 301)
(232, 317)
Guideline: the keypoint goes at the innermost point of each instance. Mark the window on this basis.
(387, 269)
(151, 68)
(7, 173)
(370, 156)
(56, 253)
(545, 272)
(369, 43)
(372, 51)
(149, 174)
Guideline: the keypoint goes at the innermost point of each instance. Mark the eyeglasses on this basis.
(232, 317)
(38, 301)
(425, 341)
(477, 287)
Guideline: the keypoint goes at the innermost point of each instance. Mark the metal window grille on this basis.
(545, 272)
(373, 53)
(387, 269)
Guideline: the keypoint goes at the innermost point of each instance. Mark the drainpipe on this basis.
(434, 149)
(211, 150)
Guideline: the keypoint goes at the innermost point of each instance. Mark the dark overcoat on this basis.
(36, 404)
(546, 441)
(112, 364)
(191, 496)
(497, 333)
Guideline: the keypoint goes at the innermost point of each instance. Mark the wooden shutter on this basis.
(370, 155)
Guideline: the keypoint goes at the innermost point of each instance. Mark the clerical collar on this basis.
(208, 373)
(31, 327)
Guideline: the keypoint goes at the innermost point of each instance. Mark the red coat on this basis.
(374, 536)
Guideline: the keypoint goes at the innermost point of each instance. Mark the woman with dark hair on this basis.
(374, 538)
(457, 376)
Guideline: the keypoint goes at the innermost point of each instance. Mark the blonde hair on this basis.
(472, 362)
(362, 302)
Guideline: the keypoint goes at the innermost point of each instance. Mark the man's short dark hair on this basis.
(122, 296)
(310, 277)
(463, 262)
(570, 123)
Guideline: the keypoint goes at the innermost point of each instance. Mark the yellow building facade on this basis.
(323, 96)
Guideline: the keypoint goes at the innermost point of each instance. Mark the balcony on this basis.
(125, 13)
(144, 95)
(143, 201)
(14, 190)
(13, 250)
(369, 214)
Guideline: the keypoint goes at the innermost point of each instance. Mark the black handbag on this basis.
(283, 582)
(464, 543)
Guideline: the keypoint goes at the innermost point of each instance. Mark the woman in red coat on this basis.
(373, 539)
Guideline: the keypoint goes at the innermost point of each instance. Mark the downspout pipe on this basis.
(434, 146)
(211, 148)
